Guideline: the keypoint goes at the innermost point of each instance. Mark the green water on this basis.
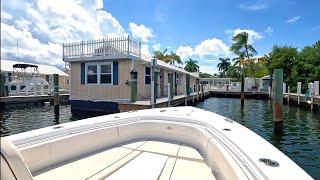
(300, 141)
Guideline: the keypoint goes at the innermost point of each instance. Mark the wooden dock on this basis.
(194, 98)
(163, 102)
(14, 100)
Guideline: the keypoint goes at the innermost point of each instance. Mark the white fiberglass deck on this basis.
(138, 160)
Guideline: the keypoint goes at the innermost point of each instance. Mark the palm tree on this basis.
(242, 48)
(191, 65)
(173, 57)
(161, 55)
(223, 65)
(168, 58)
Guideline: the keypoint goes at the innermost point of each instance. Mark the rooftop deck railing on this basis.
(101, 47)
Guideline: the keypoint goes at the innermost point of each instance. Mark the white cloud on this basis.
(254, 6)
(211, 47)
(145, 50)
(269, 30)
(184, 51)
(156, 47)
(211, 60)
(253, 35)
(208, 69)
(293, 19)
(140, 32)
(41, 27)
(208, 47)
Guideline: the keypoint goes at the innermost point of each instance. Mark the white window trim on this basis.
(147, 75)
(98, 64)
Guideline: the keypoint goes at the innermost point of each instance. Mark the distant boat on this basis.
(168, 143)
(26, 81)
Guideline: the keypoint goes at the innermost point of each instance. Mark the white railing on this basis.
(101, 47)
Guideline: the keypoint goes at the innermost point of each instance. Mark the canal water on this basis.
(300, 140)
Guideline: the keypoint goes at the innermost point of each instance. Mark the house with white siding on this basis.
(108, 71)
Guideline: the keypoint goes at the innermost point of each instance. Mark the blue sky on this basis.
(201, 30)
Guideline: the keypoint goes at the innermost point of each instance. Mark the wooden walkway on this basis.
(9, 100)
(163, 102)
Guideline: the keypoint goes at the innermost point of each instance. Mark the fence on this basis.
(101, 47)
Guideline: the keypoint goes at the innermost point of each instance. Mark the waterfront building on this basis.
(109, 71)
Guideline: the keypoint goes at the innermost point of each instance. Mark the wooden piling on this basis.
(278, 101)
(169, 94)
(299, 91)
(242, 87)
(153, 82)
(288, 98)
(56, 101)
(2, 81)
(133, 85)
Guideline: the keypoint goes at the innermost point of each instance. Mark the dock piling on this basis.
(133, 85)
(316, 88)
(288, 98)
(56, 102)
(194, 90)
(242, 87)
(299, 91)
(154, 79)
(278, 101)
(169, 94)
(2, 80)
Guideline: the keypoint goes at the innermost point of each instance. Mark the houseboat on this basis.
(110, 71)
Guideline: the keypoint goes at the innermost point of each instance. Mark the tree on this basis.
(205, 75)
(168, 58)
(284, 57)
(233, 72)
(266, 60)
(307, 65)
(243, 49)
(223, 65)
(191, 65)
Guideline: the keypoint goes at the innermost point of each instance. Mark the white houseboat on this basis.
(111, 70)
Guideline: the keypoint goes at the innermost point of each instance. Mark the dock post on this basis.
(198, 91)
(133, 85)
(242, 87)
(288, 98)
(186, 100)
(2, 80)
(278, 100)
(56, 102)
(316, 88)
(299, 91)
(284, 88)
(269, 92)
(194, 90)
(169, 94)
(153, 82)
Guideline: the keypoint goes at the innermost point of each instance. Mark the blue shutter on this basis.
(83, 73)
(115, 72)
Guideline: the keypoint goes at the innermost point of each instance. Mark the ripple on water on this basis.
(300, 140)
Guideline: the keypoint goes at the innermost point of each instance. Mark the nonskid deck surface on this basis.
(138, 160)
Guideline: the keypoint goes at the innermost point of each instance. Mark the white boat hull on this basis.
(230, 150)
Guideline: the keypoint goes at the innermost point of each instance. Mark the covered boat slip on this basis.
(138, 160)
(133, 143)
